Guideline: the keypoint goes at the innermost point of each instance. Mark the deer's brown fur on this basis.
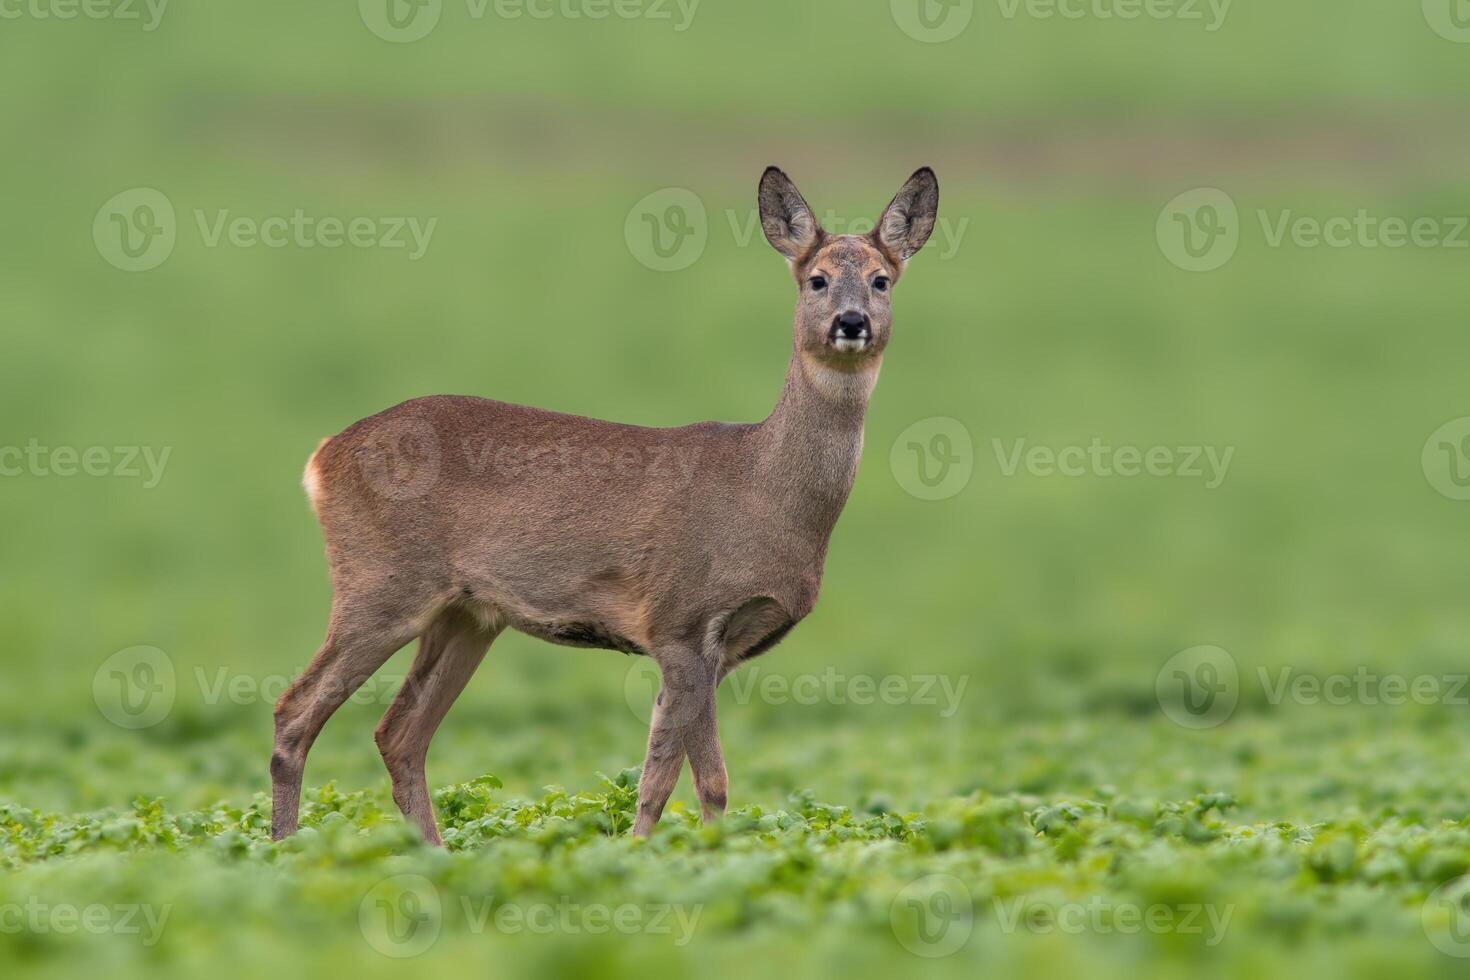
(451, 518)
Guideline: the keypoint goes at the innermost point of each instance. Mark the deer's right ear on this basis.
(785, 216)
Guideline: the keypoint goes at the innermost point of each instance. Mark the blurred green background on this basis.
(1050, 307)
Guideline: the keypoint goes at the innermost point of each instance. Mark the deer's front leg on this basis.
(661, 765)
(683, 720)
(707, 762)
(706, 758)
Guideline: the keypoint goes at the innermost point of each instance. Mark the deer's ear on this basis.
(786, 218)
(909, 218)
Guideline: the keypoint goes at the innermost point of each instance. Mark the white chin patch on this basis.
(849, 344)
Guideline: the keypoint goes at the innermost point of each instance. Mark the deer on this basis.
(448, 519)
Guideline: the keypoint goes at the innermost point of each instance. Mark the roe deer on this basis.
(451, 518)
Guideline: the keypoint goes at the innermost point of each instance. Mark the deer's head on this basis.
(843, 312)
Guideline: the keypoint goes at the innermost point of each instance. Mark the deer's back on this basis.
(580, 530)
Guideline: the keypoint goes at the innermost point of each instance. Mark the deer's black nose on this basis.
(850, 326)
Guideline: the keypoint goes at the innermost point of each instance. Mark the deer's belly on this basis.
(580, 633)
(605, 611)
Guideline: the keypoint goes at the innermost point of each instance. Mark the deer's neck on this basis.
(810, 445)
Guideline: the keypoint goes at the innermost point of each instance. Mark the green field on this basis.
(978, 755)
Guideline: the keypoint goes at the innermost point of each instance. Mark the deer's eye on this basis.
(881, 284)
(818, 282)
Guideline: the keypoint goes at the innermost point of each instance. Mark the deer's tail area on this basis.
(311, 478)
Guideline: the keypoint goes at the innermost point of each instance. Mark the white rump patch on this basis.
(310, 479)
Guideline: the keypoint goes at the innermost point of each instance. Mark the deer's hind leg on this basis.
(367, 627)
(449, 652)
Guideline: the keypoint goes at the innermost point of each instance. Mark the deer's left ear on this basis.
(909, 218)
